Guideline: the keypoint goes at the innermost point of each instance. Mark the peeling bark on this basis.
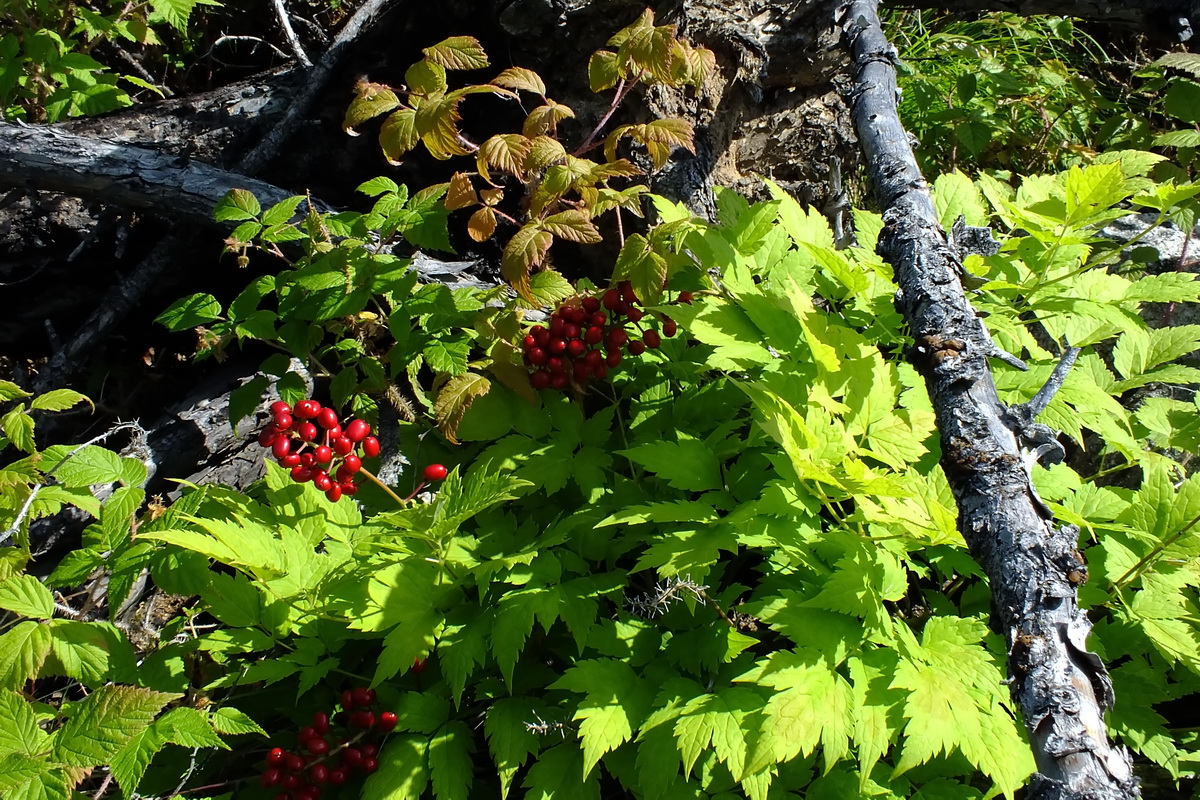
(987, 449)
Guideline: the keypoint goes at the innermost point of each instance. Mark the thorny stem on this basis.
(623, 89)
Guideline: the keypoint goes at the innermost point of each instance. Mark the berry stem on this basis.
(420, 486)
(371, 477)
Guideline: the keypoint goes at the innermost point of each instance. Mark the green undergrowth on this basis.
(732, 569)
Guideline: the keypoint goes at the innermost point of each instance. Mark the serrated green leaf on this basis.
(23, 650)
(82, 649)
(402, 774)
(450, 763)
(17, 426)
(91, 465)
(558, 773)
(196, 309)
(59, 400)
(188, 727)
(689, 464)
(129, 764)
(20, 732)
(283, 211)
(237, 205)
(10, 391)
(509, 738)
(232, 721)
(458, 52)
(955, 195)
(105, 722)
(27, 596)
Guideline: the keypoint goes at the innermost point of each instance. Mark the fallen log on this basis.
(1032, 564)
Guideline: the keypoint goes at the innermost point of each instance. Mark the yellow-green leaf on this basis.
(458, 52)
(371, 100)
(455, 398)
(522, 79)
(426, 78)
(526, 250)
(603, 70)
(398, 135)
(545, 117)
(573, 226)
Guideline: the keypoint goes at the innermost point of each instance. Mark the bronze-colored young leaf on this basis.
(522, 79)
(480, 88)
(543, 118)
(646, 20)
(491, 197)
(426, 78)
(527, 249)
(398, 135)
(659, 153)
(370, 100)
(505, 152)
(621, 168)
(437, 125)
(603, 70)
(453, 400)
(482, 224)
(692, 65)
(614, 138)
(458, 52)
(461, 193)
(506, 366)
(544, 151)
(678, 132)
(573, 225)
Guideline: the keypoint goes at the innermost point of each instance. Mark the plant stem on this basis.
(371, 477)
(623, 89)
(1136, 569)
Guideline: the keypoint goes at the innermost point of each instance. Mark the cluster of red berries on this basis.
(586, 337)
(311, 441)
(326, 758)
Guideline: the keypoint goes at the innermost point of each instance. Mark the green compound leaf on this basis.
(689, 464)
(59, 400)
(450, 761)
(27, 596)
(105, 722)
(403, 773)
(196, 309)
(237, 205)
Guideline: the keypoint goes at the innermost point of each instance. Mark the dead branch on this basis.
(1032, 563)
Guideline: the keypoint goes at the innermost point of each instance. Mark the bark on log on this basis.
(118, 174)
(1032, 564)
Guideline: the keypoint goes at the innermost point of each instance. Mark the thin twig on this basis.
(285, 22)
(1058, 377)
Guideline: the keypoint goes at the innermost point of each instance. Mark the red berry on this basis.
(387, 721)
(579, 315)
(334, 493)
(614, 357)
(322, 481)
(305, 734)
(295, 762)
(435, 472)
(557, 345)
(540, 334)
(349, 488)
(686, 297)
(306, 409)
(267, 436)
(669, 327)
(352, 756)
(419, 665)
(362, 719)
(318, 773)
(594, 358)
(281, 446)
(530, 341)
(582, 371)
(342, 445)
(652, 339)
(270, 776)
(576, 348)
(347, 699)
(334, 432)
(284, 421)
(556, 364)
(357, 430)
(617, 337)
(539, 379)
(301, 474)
(370, 750)
(290, 782)
(612, 298)
(627, 293)
(320, 722)
(308, 432)
(363, 696)
(600, 373)
(309, 793)
(537, 356)
(327, 418)
(599, 318)
(593, 335)
(338, 776)
(556, 324)
(591, 305)
(635, 314)
(280, 407)
(290, 460)
(571, 331)
(352, 463)
(324, 454)
(318, 747)
(370, 447)
(637, 347)
(283, 796)
(308, 460)
(370, 764)
(276, 756)
(558, 381)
